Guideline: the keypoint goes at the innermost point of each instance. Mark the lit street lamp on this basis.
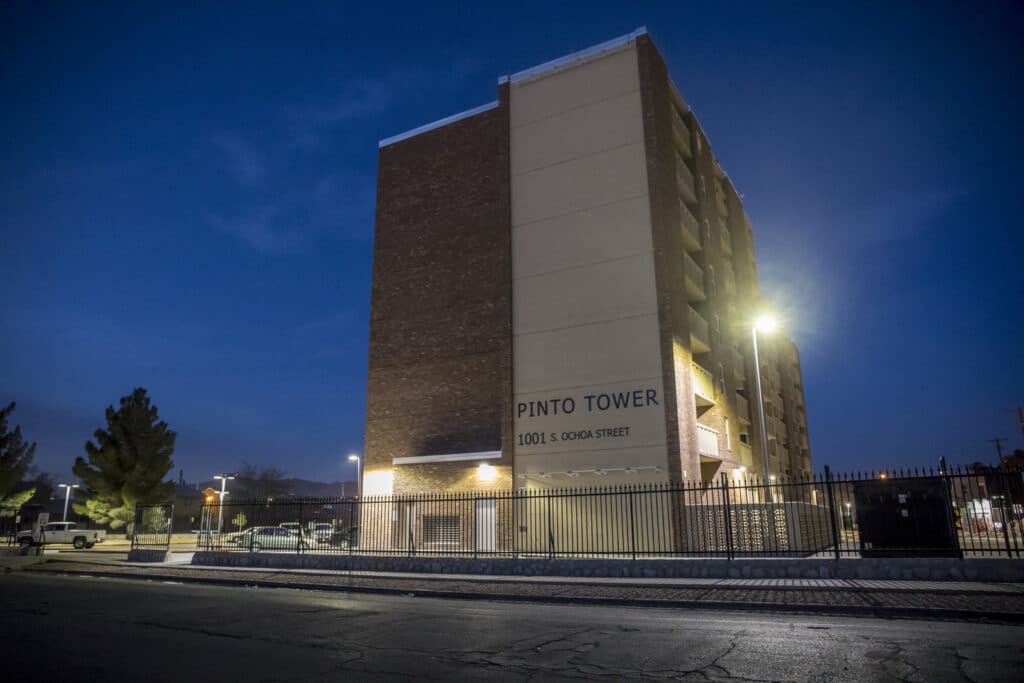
(223, 492)
(764, 324)
(67, 496)
(359, 474)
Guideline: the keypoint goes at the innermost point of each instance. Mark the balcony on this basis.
(684, 179)
(691, 231)
(728, 279)
(742, 409)
(681, 133)
(739, 367)
(770, 379)
(700, 340)
(746, 455)
(703, 386)
(776, 430)
(720, 201)
(707, 441)
(725, 237)
(694, 276)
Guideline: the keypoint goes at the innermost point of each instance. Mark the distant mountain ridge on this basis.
(285, 488)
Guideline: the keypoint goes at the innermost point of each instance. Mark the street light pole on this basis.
(67, 496)
(762, 322)
(223, 492)
(359, 474)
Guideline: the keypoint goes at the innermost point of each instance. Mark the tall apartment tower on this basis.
(563, 287)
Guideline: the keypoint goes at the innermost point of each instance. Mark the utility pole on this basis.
(999, 449)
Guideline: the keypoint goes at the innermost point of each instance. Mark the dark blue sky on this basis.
(187, 205)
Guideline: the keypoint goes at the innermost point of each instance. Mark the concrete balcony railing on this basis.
(703, 385)
(742, 409)
(728, 279)
(746, 455)
(770, 378)
(700, 340)
(725, 237)
(739, 366)
(691, 231)
(681, 133)
(684, 179)
(707, 441)
(694, 276)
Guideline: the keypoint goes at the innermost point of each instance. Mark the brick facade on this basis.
(439, 376)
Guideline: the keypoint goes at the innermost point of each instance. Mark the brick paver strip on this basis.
(887, 600)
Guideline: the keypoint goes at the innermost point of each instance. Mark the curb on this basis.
(843, 610)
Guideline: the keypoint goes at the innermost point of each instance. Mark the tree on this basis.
(127, 464)
(15, 462)
(239, 521)
(254, 481)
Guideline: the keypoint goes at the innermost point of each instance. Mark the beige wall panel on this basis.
(558, 91)
(581, 238)
(595, 459)
(588, 294)
(585, 316)
(578, 184)
(583, 131)
(587, 355)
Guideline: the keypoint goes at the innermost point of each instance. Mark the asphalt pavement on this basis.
(82, 628)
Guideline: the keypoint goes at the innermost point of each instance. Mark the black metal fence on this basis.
(901, 513)
(153, 526)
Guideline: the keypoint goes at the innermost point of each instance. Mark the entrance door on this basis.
(486, 525)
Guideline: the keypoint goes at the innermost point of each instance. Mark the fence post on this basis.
(950, 519)
(298, 543)
(136, 525)
(728, 516)
(551, 536)
(408, 525)
(832, 509)
(632, 524)
(170, 524)
(1002, 512)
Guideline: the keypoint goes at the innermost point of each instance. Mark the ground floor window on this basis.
(441, 529)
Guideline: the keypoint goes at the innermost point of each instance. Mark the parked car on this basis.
(271, 538)
(238, 536)
(321, 532)
(318, 532)
(64, 532)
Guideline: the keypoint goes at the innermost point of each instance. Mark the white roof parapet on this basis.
(448, 457)
(576, 56)
(437, 124)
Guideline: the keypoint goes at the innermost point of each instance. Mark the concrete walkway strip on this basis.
(832, 585)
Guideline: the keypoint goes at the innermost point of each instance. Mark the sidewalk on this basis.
(907, 599)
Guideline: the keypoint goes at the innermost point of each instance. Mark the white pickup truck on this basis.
(63, 532)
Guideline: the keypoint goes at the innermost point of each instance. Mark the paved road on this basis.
(75, 628)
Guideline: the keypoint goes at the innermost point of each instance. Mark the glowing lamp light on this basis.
(486, 472)
(883, 475)
(378, 483)
(765, 324)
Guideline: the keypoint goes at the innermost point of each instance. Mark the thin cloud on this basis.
(244, 162)
(283, 206)
(261, 231)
